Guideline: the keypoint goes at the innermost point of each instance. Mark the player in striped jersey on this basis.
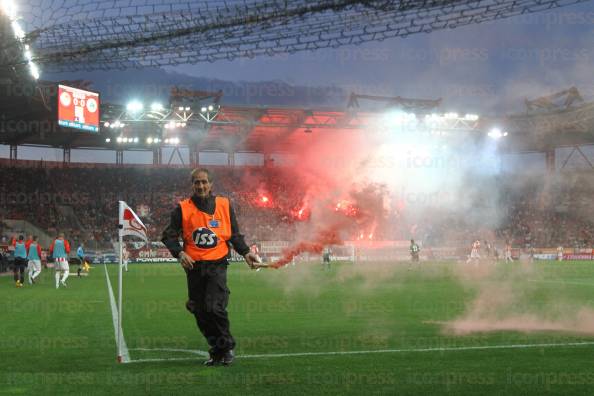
(34, 257)
(508, 252)
(59, 250)
(475, 252)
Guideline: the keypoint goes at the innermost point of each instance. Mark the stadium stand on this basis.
(81, 202)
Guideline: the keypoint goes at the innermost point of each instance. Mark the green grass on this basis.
(62, 341)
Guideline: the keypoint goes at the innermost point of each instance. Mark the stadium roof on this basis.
(31, 119)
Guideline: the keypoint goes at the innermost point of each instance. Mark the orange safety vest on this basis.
(205, 236)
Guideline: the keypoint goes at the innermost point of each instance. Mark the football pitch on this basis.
(365, 328)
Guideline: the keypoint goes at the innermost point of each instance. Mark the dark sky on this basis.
(489, 67)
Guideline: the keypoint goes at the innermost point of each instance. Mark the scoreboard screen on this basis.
(78, 109)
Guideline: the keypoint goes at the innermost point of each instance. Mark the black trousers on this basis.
(208, 298)
(18, 269)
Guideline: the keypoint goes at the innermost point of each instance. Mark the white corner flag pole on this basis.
(129, 224)
(120, 239)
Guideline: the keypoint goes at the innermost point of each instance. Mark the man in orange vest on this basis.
(207, 225)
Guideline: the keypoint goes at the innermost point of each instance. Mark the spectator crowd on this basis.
(270, 202)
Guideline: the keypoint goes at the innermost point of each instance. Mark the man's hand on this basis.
(253, 260)
(185, 260)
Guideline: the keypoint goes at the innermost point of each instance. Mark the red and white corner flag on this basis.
(130, 223)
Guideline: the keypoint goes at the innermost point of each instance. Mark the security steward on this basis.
(207, 225)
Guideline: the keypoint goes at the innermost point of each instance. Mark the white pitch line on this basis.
(192, 351)
(562, 282)
(449, 349)
(114, 315)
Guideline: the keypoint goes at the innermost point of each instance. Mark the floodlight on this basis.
(34, 70)
(495, 133)
(9, 8)
(134, 106)
(19, 33)
(156, 106)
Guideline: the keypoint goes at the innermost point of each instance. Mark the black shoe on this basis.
(227, 358)
(214, 360)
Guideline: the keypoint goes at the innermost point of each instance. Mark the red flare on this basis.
(325, 237)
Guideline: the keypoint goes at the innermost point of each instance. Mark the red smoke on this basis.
(327, 190)
(342, 219)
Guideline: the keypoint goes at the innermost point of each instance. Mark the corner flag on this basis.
(129, 224)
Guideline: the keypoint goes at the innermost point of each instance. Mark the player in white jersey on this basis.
(125, 258)
(34, 257)
(560, 253)
(475, 252)
(508, 252)
(59, 250)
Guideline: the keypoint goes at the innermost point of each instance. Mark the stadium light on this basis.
(471, 117)
(9, 8)
(149, 140)
(119, 139)
(134, 106)
(203, 109)
(135, 140)
(450, 116)
(19, 33)
(399, 119)
(496, 133)
(106, 124)
(107, 140)
(156, 106)
(34, 70)
(187, 108)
